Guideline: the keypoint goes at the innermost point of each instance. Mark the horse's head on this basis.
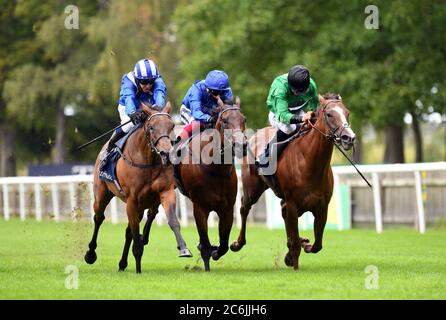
(335, 115)
(158, 129)
(231, 124)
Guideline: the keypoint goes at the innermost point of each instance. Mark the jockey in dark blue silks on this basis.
(143, 85)
(200, 102)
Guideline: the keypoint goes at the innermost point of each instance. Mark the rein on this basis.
(336, 138)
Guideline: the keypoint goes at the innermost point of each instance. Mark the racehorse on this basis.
(146, 179)
(213, 186)
(304, 175)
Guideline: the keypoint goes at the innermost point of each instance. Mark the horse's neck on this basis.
(217, 168)
(317, 149)
(138, 148)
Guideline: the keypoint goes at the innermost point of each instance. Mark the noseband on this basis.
(152, 143)
(332, 136)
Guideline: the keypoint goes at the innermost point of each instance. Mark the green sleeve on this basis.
(282, 112)
(314, 103)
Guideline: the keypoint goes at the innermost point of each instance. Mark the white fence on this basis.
(54, 185)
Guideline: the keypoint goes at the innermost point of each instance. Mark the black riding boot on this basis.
(264, 158)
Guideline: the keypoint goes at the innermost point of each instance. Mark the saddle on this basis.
(107, 170)
(268, 176)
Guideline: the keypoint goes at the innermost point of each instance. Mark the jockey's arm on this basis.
(128, 93)
(282, 113)
(195, 107)
(159, 92)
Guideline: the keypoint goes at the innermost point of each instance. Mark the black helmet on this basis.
(299, 78)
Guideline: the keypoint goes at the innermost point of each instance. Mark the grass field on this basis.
(33, 258)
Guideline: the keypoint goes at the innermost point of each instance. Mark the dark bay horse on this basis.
(213, 186)
(146, 178)
(304, 175)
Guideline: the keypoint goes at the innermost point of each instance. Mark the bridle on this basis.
(230, 141)
(332, 136)
(148, 128)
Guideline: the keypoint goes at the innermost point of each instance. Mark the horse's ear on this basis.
(321, 100)
(220, 103)
(338, 96)
(167, 107)
(237, 101)
(147, 110)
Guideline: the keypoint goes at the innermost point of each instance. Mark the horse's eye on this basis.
(329, 115)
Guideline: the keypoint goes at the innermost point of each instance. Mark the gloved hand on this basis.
(296, 118)
(307, 116)
(138, 117)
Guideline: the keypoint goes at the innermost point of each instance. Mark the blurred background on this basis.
(59, 87)
(60, 77)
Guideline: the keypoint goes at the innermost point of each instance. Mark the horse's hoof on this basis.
(235, 246)
(90, 257)
(122, 265)
(308, 248)
(185, 253)
(288, 261)
(215, 255)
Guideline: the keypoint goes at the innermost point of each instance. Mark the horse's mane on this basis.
(332, 96)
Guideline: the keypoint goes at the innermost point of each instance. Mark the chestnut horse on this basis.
(212, 186)
(304, 175)
(146, 179)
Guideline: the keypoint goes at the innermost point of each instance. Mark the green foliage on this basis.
(379, 73)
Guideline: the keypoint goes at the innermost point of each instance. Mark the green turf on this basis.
(33, 257)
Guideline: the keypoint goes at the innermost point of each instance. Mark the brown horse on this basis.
(304, 175)
(146, 180)
(213, 186)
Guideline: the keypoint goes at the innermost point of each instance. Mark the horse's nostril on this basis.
(346, 138)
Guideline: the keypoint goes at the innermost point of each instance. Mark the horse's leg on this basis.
(304, 241)
(102, 197)
(201, 220)
(168, 201)
(224, 229)
(151, 214)
(125, 252)
(320, 219)
(253, 187)
(133, 215)
(293, 233)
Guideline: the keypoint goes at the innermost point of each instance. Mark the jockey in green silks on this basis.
(291, 100)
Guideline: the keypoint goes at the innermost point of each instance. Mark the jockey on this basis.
(143, 85)
(199, 104)
(289, 97)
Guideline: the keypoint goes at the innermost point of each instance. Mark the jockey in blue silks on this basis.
(200, 102)
(143, 85)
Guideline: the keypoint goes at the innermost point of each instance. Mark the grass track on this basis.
(33, 257)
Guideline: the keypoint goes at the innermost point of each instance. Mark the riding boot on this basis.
(263, 159)
(118, 134)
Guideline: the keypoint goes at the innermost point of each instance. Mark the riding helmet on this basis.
(299, 78)
(145, 69)
(217, 80)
